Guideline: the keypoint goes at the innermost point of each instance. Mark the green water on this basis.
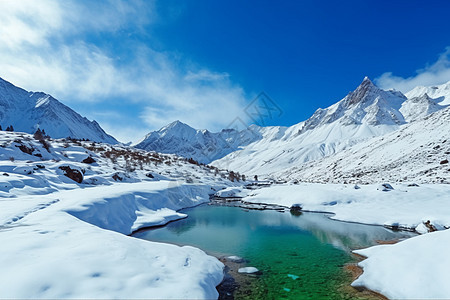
(301, 257)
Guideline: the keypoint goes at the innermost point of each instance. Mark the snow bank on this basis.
(48, 251)
(404, 206)
(126, 207)
(232, 192)
(78, 260)
(65, 239)
(416, 268)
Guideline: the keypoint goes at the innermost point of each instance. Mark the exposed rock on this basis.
(116, 177)
(25, 149)
(385, 187)
(249, 270)
(73, 174)
(430, 227)
(88, 160)
(235, 259)
(296, 207)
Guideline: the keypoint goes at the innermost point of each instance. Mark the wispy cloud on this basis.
(48, 45)
(434, 74)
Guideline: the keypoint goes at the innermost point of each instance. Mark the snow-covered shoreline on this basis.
(416, 268)
(66, 239)
(55, 251)
(67, 207)
(411, 269)
(403, 206)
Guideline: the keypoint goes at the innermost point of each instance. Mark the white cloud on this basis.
(205, 75)
(44, 46)
(209, 107)
(434, 74)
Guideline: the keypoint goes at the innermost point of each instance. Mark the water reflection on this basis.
(231, 229)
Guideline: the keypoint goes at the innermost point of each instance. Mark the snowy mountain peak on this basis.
(27, 111)
(367, 82)
(364, 113)
(439, 93)
(368, 93)
(418, 107)
(362, 91)
(177, 128)
(202, 145)
(174, 124)
(367, 104)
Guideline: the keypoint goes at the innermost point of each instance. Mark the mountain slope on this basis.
(417, 152)
(439, 93)
(364, 113)
(201, 145)
(27, 111)
(418, 107)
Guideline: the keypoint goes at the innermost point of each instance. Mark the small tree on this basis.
(46, 136)
(256, 177)
(192, 161)
(243, 177)
(231, 176)
(38, 135)
(237, 176)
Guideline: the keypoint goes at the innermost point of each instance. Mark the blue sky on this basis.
(135, 66)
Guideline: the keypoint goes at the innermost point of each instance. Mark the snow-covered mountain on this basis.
(201, 145)
(368, 104)
(364, 113)
(417, 152)
(439, 93)
(28, 111)
(418, 107)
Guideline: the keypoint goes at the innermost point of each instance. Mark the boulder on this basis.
(88, 160)
(385, 187)
(235, 259)
(249, 270)
(73, 174)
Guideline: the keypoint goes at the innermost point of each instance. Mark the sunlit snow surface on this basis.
(416, 268)
(61, 239)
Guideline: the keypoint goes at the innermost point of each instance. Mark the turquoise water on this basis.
(301, 257)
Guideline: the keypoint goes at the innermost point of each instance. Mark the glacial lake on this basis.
(300, 256)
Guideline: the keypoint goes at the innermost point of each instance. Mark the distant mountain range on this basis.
(418, 152)
(363, 114)
(202, 145)
(28, 111)
(370, 133)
